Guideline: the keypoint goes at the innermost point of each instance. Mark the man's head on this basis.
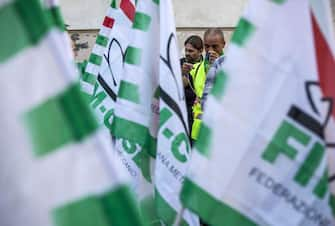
(193, 49)
(214, 40)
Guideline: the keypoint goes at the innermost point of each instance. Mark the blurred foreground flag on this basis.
(66, 178)
(268, 129)
(53, 12)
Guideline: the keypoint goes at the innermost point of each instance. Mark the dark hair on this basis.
(216, 31)
(195, 41)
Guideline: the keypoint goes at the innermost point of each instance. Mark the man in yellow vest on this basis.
(193, 54)
(214, 43)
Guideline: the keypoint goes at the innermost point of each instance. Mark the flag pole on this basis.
(179, 217)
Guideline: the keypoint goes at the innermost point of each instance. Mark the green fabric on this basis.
(148, 211)
(243, 32)
(81, 67)
(95, 59)
(279, 144)
(142, 160)
(179, 141)
(140, 157)
(55, 16)
(204, 140)
(23, 24)
(129, 91)
(219, 85)
(133, 55)
(102, 40)
(279, 1)
(322, 187)
(114, 4)
(164, 115)
(89, 78)
(142, 21)
(212, 211)
(33, 17)
(116, 208)
(60, 120)
(168, 133)
(125, 129)
(165, 212)
(310, 165)
(332, 203)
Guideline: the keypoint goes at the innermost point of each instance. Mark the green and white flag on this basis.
(136, 109)
(102, 76)
(151, 95)
(102, 81)
(66, 177)
(173, 147)
(105, 67)
(268, 128)
(54, 14)
(136, 117)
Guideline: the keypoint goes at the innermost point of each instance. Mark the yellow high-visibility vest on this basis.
(198, 74)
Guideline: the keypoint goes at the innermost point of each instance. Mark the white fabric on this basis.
(169, 171)
(32, 187)
(266, 77)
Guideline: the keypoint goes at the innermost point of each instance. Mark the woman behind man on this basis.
(193, 54)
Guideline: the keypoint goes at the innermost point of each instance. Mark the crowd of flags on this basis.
(112, 148)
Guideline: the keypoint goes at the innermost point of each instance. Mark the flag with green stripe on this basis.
(135, 110)
(53, 13)
(102, 77)
(173, 145)
(102, 81)
(268, 128)
(55, 168)
(136, 101)
(105, 64)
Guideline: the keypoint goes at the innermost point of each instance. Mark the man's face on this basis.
(192, 54)
(214, 42)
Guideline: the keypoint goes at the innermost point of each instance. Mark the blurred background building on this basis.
(84, 18)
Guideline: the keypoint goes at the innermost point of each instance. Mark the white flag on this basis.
(173, 146)
(65, 178)
(135, 113)
(101, 81)
(268, 127)
(103, 72)
(150, 94)
(134, 108)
